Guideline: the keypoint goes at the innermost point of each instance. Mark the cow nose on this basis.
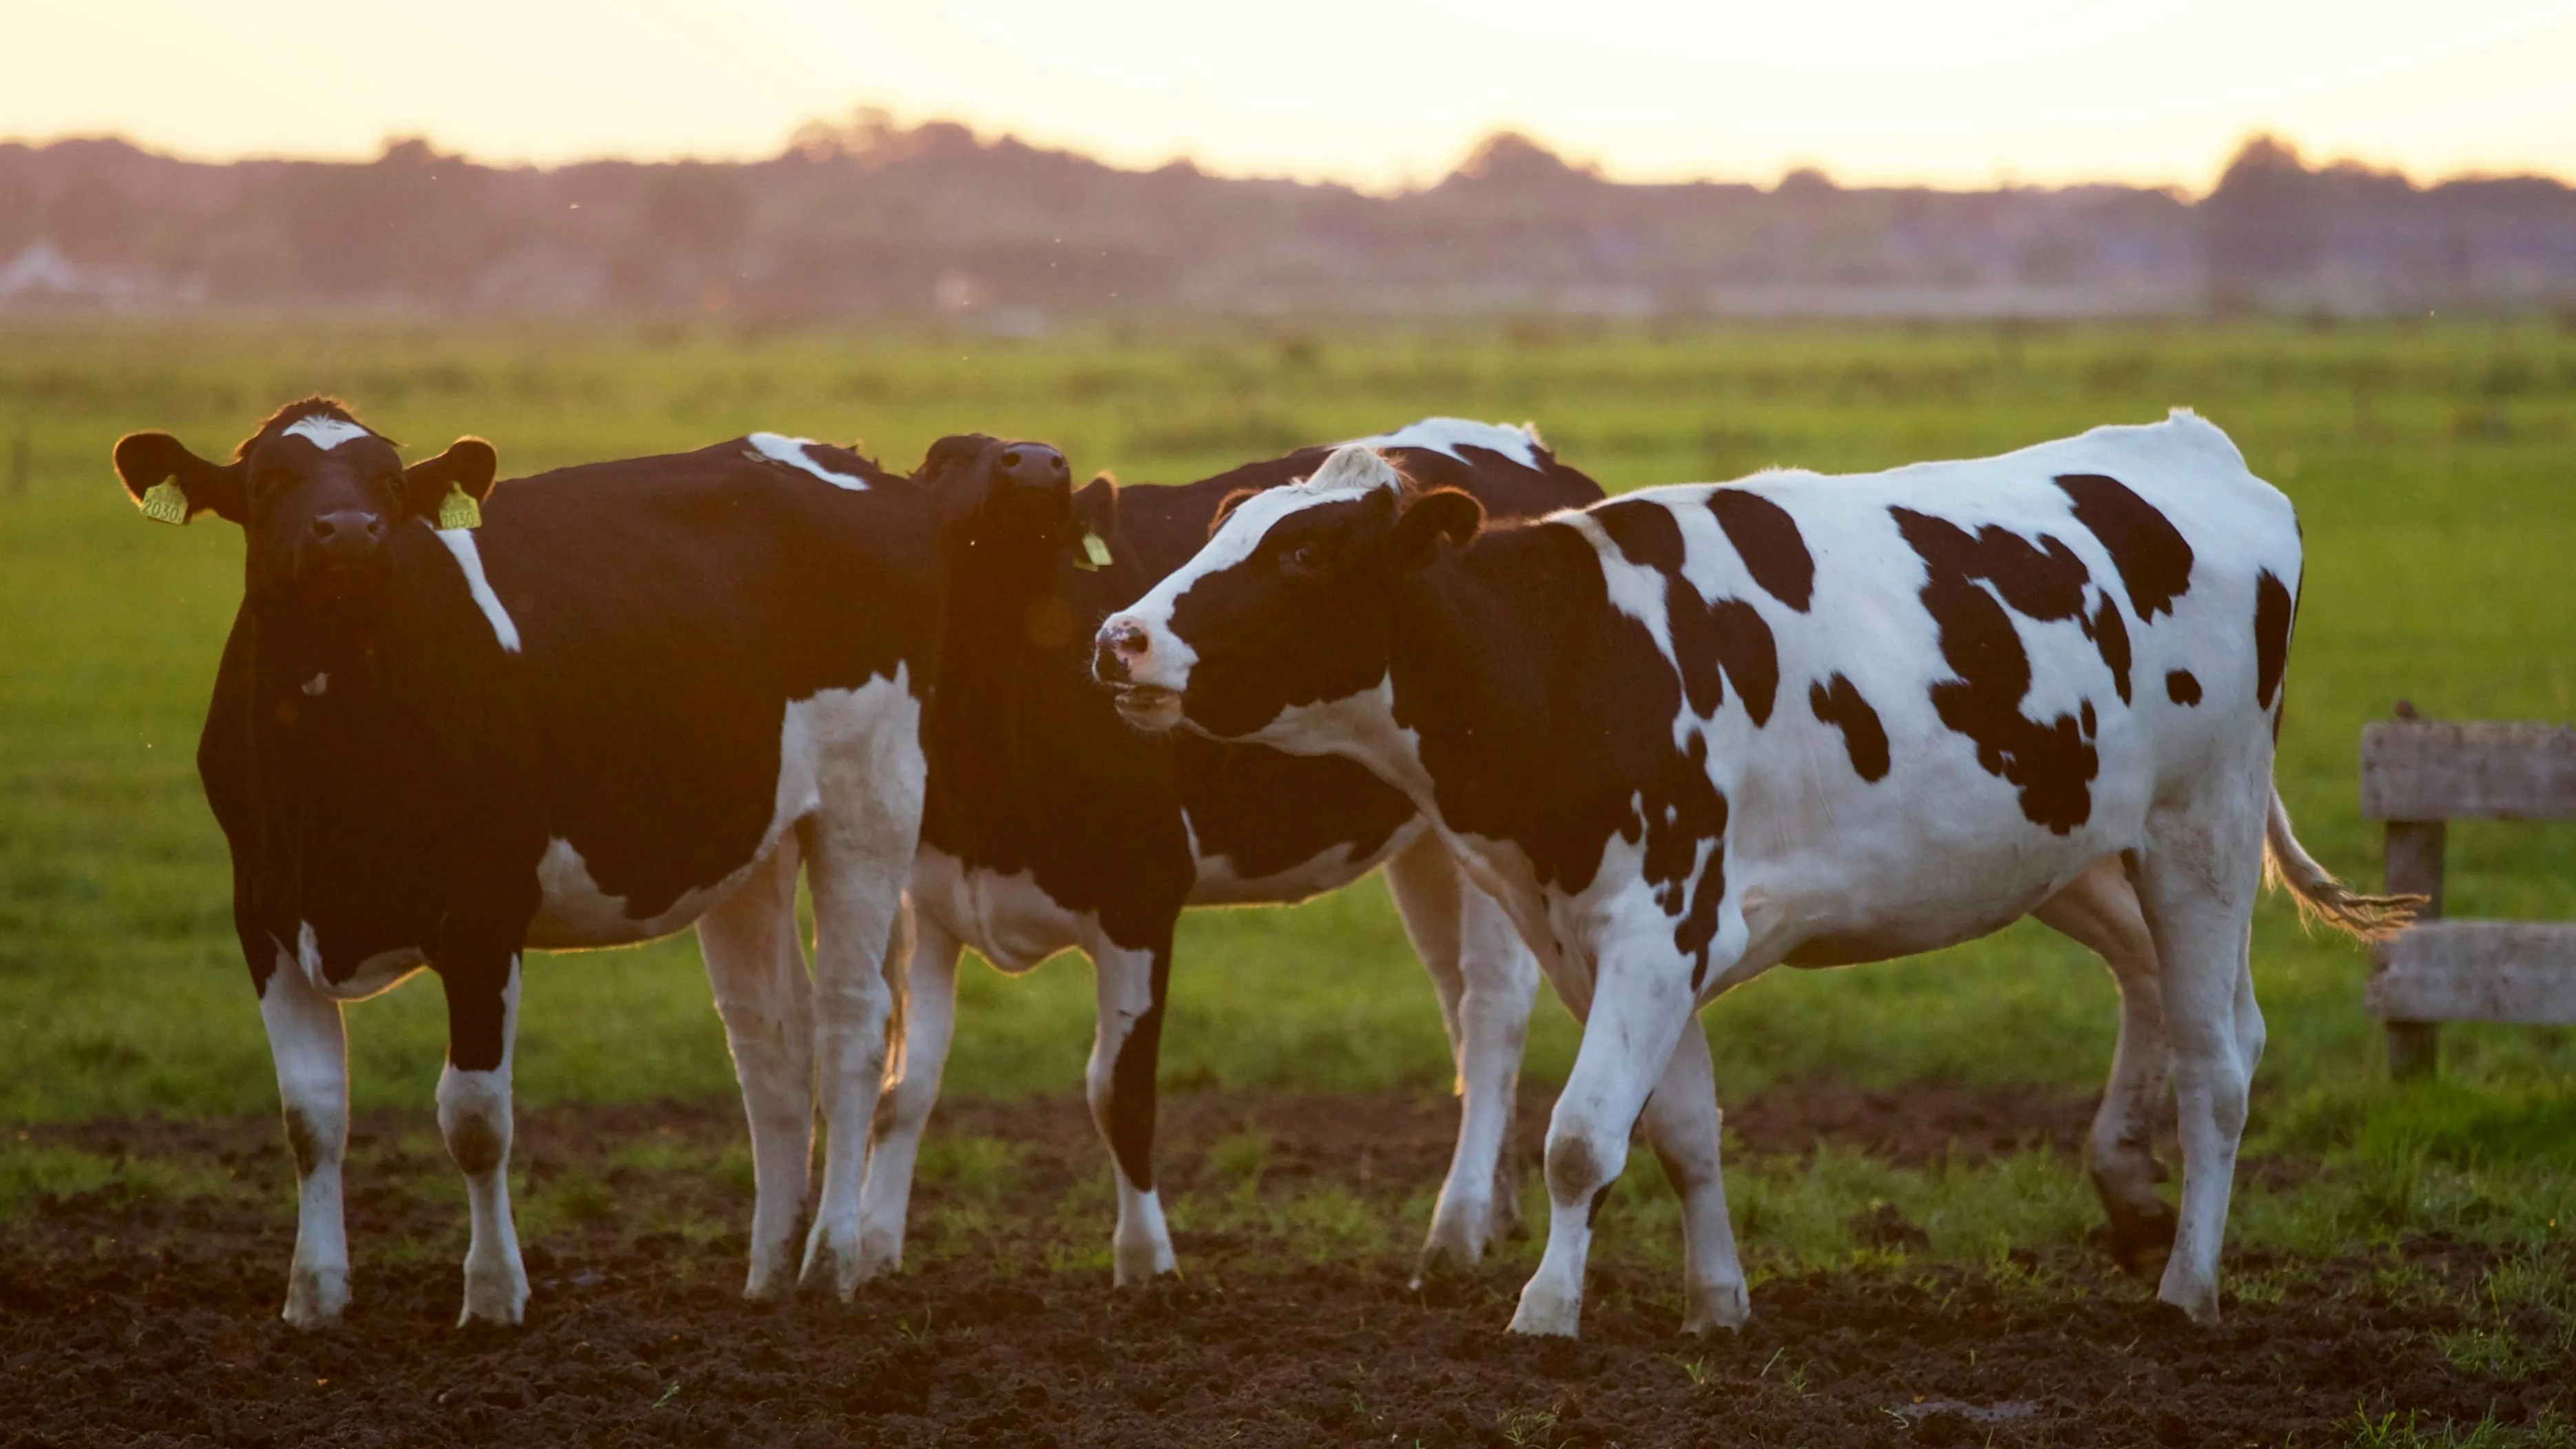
(1035, 465)
(1121, 647)
(348, 535)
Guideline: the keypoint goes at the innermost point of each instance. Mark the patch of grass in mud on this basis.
(2392, 1430)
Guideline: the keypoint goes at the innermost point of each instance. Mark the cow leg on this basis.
(2196, 883)
(857, 881)
(2100, 910)
(929, 1022)
(1126, 1046)
(1682, 1122)
(1641, 1004)
(757, 966)
(307, 1042)
(1486, 980)
(474, 1117)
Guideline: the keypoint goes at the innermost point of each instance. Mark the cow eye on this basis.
(1303, 561)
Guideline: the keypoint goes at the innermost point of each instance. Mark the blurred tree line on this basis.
(870, 218)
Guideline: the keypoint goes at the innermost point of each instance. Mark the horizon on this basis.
(1999, 94)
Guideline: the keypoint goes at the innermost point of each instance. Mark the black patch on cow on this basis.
(2152, 556)
(1646, 532)
(1767, 539)
(1130, 1127)
(2050, 762)
(2182, 688)
(2271, 636)
(2111, 637)
(2092, 722)
(1838, 702)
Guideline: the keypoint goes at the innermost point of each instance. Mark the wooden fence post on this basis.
(2415, 868)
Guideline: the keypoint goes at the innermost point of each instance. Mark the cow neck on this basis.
(1485, 671)
(361, 741)
(996, 684)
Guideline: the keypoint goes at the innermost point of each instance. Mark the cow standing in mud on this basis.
(1696, 732)
(1052, 824)
(643, 694)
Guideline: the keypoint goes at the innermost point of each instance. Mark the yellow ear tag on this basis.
(1095, 552)
(165, 502)
(459, 510)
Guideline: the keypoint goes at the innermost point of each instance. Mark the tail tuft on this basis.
(2320, 896)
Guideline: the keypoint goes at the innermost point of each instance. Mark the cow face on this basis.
(1286, 606)
(316, 493)
(998, 491)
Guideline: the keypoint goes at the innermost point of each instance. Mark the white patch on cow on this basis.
(324, 432)
(1009, 918)
(1359, 726)
(780, 448)
(469, 561)
(373, 976)
(1448, 435)
(474, 1118)
(1353, 468)
(817, 733)
(317, 684)
(311, 1054)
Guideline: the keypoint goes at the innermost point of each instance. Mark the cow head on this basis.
(1012, 517)
(316, 492)
(1286, 606)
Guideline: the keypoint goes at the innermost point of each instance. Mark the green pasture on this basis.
(2434, 467)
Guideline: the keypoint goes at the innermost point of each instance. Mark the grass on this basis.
(2431, 466)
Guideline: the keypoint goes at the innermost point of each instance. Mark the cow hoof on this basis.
(1137, 1264)
(314, 1300)
(880, 1254)
(1455, 1241)
(2198, 1303)
(1547, 1314)
(831, 1264)
(1716, 1305)
(495, 1298)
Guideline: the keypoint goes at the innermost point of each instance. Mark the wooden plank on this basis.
(2511, 971)
(2467, 770)
(2415, 868)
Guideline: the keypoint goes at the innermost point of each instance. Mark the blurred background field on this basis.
(2434, 466)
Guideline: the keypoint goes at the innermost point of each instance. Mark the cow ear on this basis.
(948, 453)
(450, 488)
(1095, 522)
(1225, 508)
(174, 485)
(1443, 515)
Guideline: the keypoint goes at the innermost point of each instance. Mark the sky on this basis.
(1380, 93)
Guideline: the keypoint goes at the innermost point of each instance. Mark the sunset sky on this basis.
(1378, 92)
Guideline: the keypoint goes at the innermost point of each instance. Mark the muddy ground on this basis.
(147, 1314)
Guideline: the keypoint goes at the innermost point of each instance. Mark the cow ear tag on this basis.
(165, 502)
(459, 510)
(1095, 552)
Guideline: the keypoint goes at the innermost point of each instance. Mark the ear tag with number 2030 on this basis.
(165, 502)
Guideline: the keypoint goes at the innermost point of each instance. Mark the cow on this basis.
(638, 695)
(1051, 824)
(1699, 731)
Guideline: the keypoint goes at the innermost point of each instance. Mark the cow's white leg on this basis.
(857, 880)
(1682, 1122)
(1126, 1046)
(929, 1021)
(306, 1040)
(2196, 883)
(1641, 1004)
(757, 966)
(1486, 980)
(2100, 910)
(2249, 1016)
(474, 1118)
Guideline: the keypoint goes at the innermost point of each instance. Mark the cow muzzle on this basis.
(1123, 657)
(1034, 465)
(345, 539)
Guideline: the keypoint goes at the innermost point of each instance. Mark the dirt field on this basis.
(131, 1317)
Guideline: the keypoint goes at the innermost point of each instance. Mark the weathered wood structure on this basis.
(2416, 776)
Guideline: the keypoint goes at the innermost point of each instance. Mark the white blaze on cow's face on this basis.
(1286, 606)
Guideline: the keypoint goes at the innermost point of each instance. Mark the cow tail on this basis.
(2320, 896)
(898, 979)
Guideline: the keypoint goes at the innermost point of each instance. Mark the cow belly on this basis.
(1008, 918)
(833, 730)
(1217, 884)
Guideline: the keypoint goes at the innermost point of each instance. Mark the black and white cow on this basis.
(641, 695)
(1697, 732)
(1053, 824)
